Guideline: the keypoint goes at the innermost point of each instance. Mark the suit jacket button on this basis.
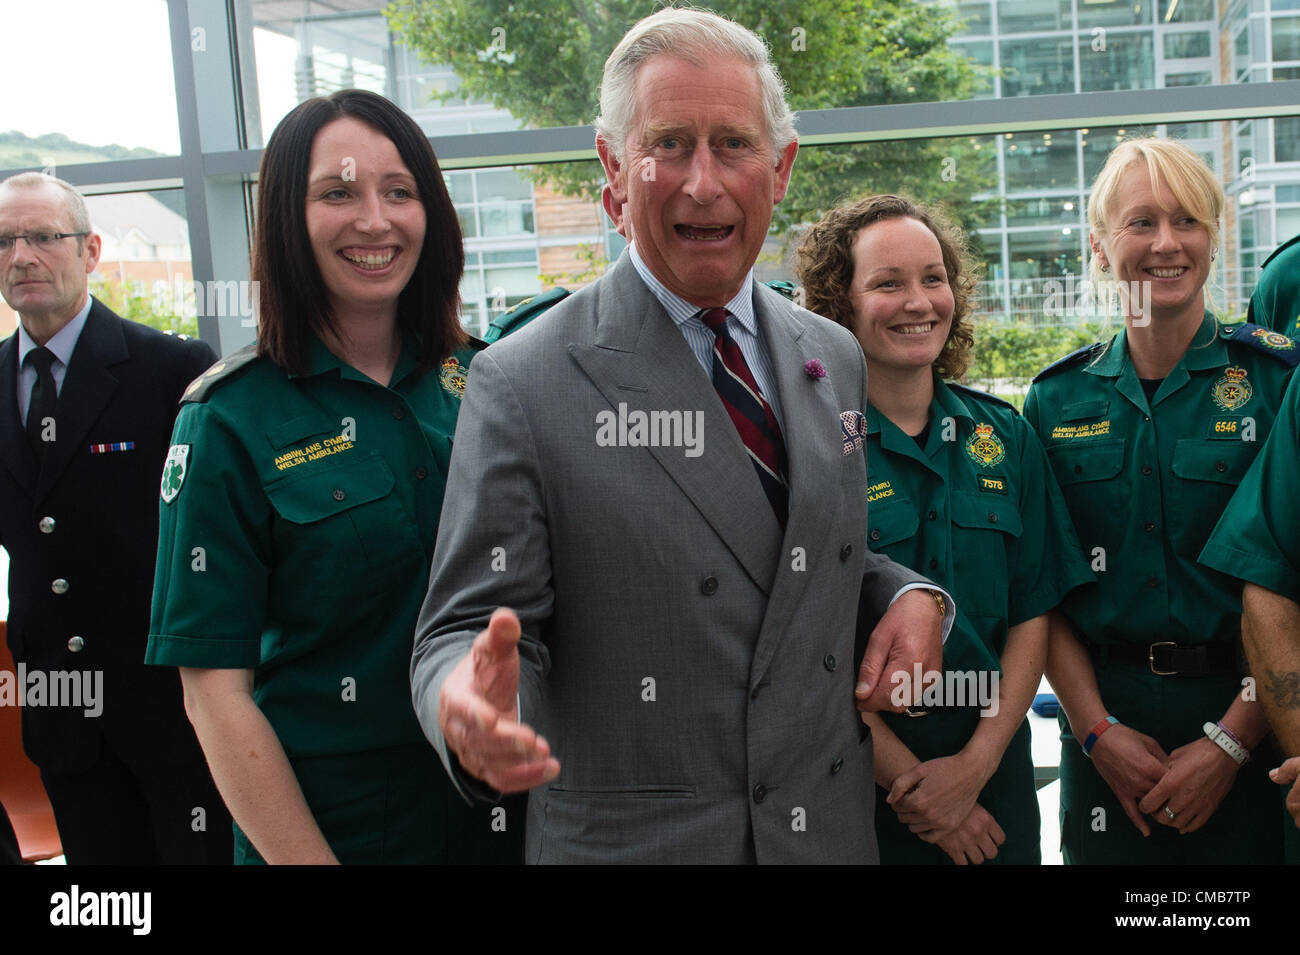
(828, 662)
(399, 412)
(75, 644)
(875, 535)
(709, 586)
(59, 585)
(46, 525)
(846, 552)
(836, 765)
(760, 792)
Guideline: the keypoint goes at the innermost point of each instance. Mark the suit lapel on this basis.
(87, 388)
(641, 359)
(814, 448)
(14, 449)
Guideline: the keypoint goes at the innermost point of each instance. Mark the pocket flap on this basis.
(1083, 410)
(1196, 459)
(986, 512)
(322, 493)
(1091, 461)
(299, 429)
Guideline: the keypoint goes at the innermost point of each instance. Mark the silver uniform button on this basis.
(46, 525)
(75, 644)
(59, 586)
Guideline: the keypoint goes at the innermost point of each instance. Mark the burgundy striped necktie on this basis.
(750, 412)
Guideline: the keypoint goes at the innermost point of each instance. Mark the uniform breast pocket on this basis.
(1206, 474)
(342, 526)
(1092, 479)
(985, 528)
(889, 523)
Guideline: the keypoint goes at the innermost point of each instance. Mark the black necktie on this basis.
(45, 399)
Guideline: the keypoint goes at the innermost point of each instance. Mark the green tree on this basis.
(155, 311)
(542, 62)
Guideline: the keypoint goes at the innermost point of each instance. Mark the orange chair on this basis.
(20, 782)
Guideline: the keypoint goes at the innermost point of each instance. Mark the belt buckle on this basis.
(1151, 658)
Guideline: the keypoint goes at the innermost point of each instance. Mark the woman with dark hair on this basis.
(958, 489)
(300, 504)
(1149, 435)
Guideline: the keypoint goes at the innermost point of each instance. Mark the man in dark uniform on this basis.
(87, 402)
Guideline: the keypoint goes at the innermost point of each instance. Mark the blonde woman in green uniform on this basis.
(1149, 434)
(959, 489)
(300, 503)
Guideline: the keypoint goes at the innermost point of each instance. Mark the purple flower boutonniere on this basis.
(814, 369)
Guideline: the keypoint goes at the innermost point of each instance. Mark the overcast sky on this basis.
(100, 72)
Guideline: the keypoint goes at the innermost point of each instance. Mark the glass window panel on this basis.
(1286, 139)
(471, 285)
(1286, 72)
(1182, 46)
(495, 184)
(1127, 63)
(1190, 130)
(1047, 252)
(1043, 210)
(1036, 67)
(976, 18)
(519, 281)
(1286, 38)
(513, 218)
(980, 52)
(468, 227)
(1034, 16)
(460, 185)
(1288, 223)
(1114, 13)
(1199, 78)
(1041, 161)
(83, 73)
(1288, 193)
(1098, 143)
(510, 256)
(1184, 11)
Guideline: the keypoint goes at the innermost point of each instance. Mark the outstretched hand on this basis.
(478, 712)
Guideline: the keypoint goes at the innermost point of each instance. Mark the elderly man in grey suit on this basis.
(664, 480)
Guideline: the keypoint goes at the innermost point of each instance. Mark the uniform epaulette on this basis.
(1280, 249)
(520, 315)
(1270, 342)
(983, 396)
(784, 288)
(1074, 358)
(201, 386)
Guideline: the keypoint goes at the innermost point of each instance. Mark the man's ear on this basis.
(784, 166)
(615, 171)
(93, 249)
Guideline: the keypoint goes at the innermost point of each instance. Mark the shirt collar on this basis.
(682, 311)
(1205, 351)
(321, 360)
(64, 341)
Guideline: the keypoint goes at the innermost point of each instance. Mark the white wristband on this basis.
(1226, 743)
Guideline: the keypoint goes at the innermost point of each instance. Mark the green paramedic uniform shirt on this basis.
(1258, 537)
(1275, 303)
(298, 520)
(979, 513)
(1145, 483)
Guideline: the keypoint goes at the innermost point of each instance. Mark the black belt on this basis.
(1166, 658)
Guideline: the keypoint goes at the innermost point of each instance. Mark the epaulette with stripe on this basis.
(224, 368)
(1074, 358)
(1270, 342)
(982, 396)
(520, 315)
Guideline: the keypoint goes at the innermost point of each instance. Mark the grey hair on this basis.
(695, 36)
(74, 204)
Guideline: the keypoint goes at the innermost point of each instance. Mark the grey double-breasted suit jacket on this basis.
(691, 665)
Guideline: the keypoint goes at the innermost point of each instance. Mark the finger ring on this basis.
(1170, 813)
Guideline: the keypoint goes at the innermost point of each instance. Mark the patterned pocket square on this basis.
(853, 428)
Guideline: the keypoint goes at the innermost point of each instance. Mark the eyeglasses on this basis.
(37, 240)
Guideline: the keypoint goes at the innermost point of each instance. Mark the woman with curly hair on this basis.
(959, 489)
